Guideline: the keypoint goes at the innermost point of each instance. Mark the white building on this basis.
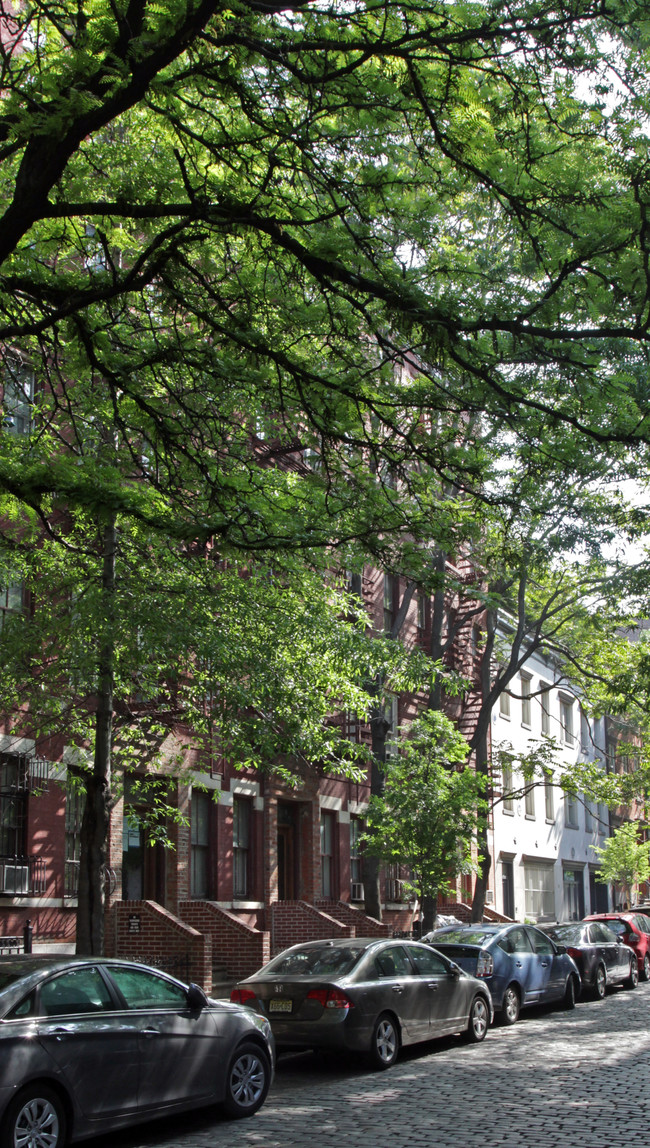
(544, 862)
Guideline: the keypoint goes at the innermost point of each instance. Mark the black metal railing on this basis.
(22, 876)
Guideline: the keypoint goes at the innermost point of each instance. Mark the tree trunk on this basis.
(95, 821)
(371, 865)
(429, 914)
(481, 746)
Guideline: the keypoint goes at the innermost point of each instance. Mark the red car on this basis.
(634, 930)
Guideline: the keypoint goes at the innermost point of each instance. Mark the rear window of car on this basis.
(566, 934)
(462, 937)
(325, 960)
(618, 927)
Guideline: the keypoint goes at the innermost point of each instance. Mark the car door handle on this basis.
(397, 988)
(544, 964)
(433, 986)
(517, 964)
(151, 1032)
(62, 1031)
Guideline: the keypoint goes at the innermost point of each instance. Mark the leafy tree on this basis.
(625, 859)
(426, 817)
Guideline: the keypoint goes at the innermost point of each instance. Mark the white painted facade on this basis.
(544, 863)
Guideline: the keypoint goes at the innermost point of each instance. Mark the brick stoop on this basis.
(238, 950)
(464, 912)
(293, 922)
(363, 925)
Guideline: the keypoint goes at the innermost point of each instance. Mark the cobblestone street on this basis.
(554, 1079)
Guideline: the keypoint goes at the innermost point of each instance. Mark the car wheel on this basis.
(600, 983)
(479, 1020)
(632, 981)
(569, 998)
(247, 1082)
(35, 1117)
(384, 1046)
(645, 975)
(511, 1005)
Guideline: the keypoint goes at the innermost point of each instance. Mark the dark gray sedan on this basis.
(602, 958)
(88, 1046)
(365, 995)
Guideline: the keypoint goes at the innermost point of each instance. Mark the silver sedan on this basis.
(366, 995)
(88, 1046)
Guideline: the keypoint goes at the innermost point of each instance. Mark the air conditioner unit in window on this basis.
(15, 879)
(489, 897)
(356, 891)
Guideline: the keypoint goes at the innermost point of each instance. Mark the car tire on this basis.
(479, 1021)
(600, 983)
(645, 974)
(384, 1045)
(511, 1006)
(569, 999)
(247, 1082)
(632, 981)
(35, 1116)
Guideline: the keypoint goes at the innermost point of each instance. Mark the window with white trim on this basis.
(539, 887)
(525, 700)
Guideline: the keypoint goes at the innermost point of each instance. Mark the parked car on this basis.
(519, 964)
(366, 995)
(634, 930)
(88, 1046)
(602, 958)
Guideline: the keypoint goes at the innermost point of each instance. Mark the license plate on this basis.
(277, 1005)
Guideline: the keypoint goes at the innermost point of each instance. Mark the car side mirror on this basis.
(196, 998)
(561, 949)
(455, 970)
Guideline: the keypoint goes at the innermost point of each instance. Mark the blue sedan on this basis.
(519, 964)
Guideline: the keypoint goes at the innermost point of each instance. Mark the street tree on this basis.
(426, 816)
(625, 859)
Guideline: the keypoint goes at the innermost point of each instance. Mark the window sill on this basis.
(508, 812)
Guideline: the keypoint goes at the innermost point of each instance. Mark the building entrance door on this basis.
(143, 867)
(287, 851)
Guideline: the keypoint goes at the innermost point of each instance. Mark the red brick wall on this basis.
(363, 926)
(237, 947)
(293, 922)
(162, 938)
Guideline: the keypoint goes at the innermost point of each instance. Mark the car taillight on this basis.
(330, 998)
(242, 996)
(485, 965)
(576, 954)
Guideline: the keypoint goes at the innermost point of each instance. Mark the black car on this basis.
(88, 1046)
(602, 958)
(367, 996)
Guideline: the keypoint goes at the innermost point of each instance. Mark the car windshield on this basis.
(566, 934)
(323, 960)
(463, 937)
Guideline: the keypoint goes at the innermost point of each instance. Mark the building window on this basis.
(199, 842)
(525, 701)
(11, 600)
(241, 846)
(391, 717)
(356, 873)
(389, 602)
(17, 398)
(508, 802)
(327, 854)
(566, 719)
(422, 610)
(504, 704)
(530, 800)
(589, 817)
(549, 800)
(75, 802)
(571, 811)
(13, 807)
(540, 892)
(545, 698)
